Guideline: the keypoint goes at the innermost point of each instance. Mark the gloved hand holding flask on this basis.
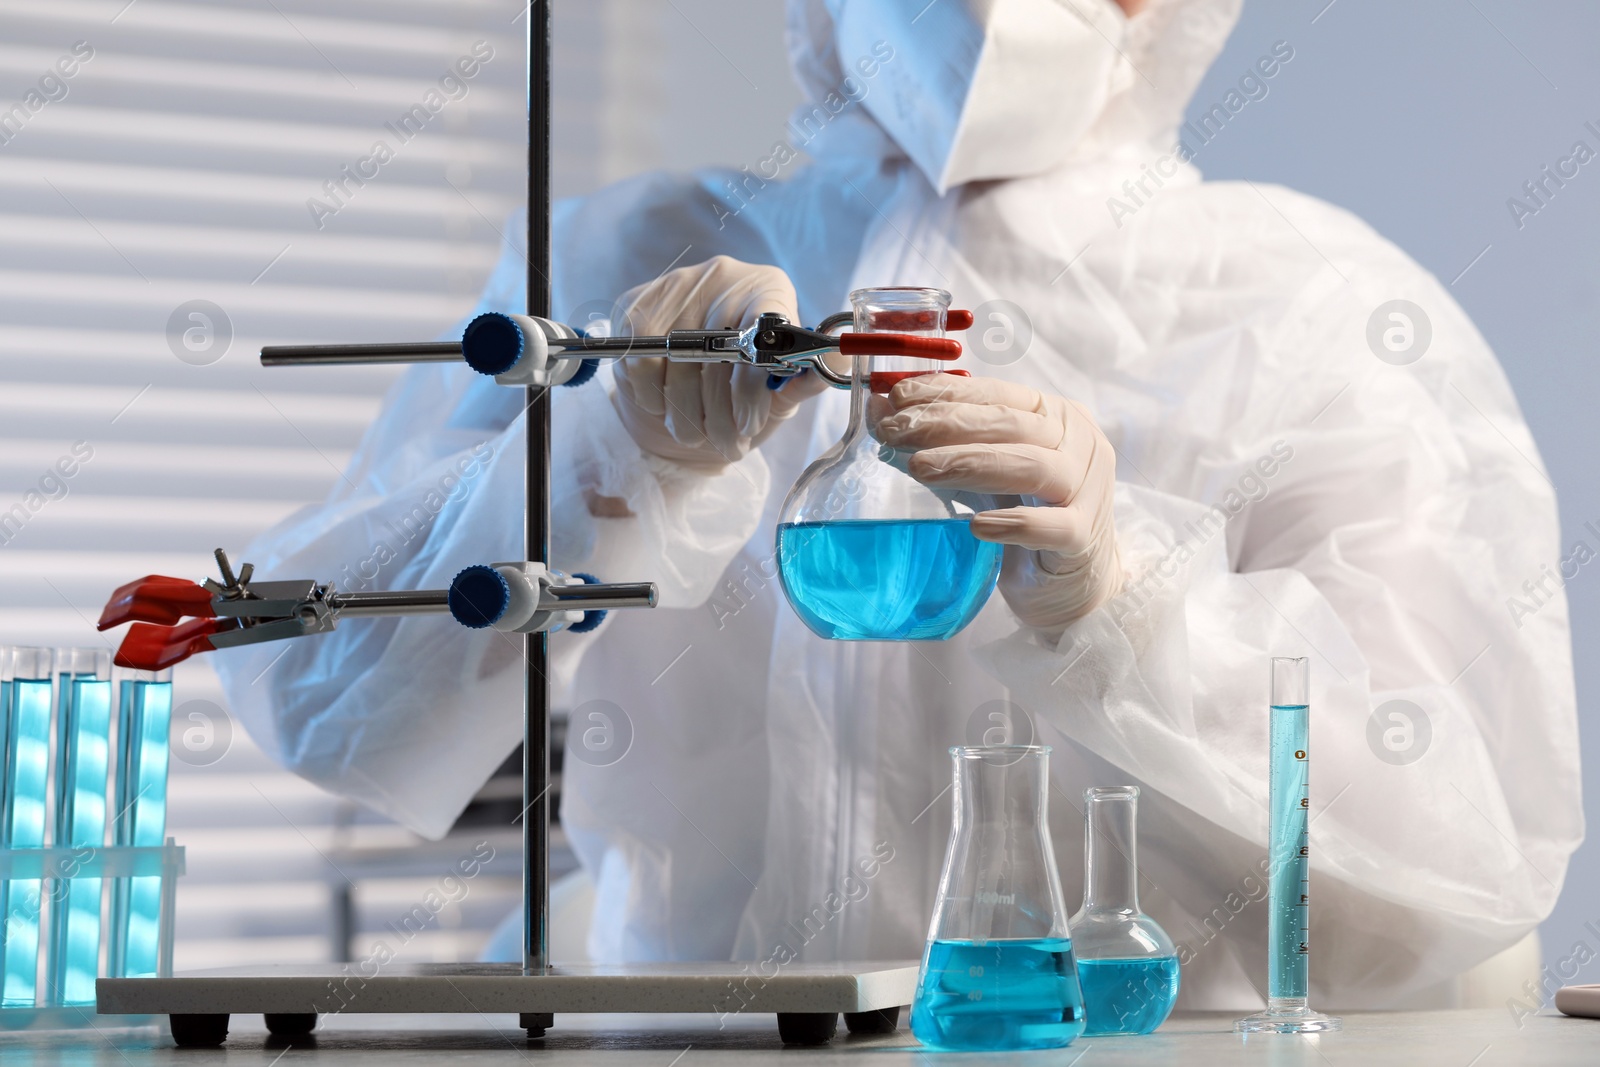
(986, 435)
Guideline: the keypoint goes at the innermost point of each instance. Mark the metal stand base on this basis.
(807, 998)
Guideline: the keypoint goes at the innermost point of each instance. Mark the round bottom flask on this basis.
(1126, 963)
(865, 551)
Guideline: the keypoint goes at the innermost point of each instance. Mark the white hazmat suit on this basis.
(1282, 490)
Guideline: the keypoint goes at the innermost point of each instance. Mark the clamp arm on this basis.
(510, 597)
(527, 350)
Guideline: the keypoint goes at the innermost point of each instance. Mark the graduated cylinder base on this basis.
(1287, 1015)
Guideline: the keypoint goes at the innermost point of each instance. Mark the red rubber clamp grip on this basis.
(156, 598)
(921, 320)
(148, 647)
(883, 381)
(898, 344)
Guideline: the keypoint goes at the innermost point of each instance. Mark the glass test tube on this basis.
(26, 707)
(83, 764)
(141, 817)
(1289, 833)
(1289, 858)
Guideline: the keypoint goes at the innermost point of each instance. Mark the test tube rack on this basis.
(807, 998)
(55, 868)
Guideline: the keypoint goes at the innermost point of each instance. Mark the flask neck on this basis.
(1000, 879)
(860, 391)
(1004, 789)
(900, 310)
(1111, 870)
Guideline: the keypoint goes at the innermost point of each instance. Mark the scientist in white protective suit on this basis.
(1215, 469)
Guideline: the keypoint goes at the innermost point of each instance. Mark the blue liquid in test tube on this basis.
(1288, 846)
(1289, 855)
(83, 754)
(146, 718)
(22, 817)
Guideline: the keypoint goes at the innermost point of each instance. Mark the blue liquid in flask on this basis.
(22, 826)
(886, 580)
(998, 996)
(1132, 996)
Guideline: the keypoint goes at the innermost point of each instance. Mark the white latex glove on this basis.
(705, 414)
(991, 436)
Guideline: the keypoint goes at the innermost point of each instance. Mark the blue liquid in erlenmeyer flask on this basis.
(1132, 996)
(22, 826)
(886, 580)
(998, 996)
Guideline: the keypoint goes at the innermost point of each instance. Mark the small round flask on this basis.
(865, 551)
(1126, 962)
(997, 972)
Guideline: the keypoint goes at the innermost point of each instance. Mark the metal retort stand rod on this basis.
(536, 530)
(807, 998)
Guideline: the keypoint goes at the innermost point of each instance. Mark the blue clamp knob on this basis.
(479, 596)
(591, 619)
(492, 343)
(586, 370)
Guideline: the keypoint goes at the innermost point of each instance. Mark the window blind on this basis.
(162, 159)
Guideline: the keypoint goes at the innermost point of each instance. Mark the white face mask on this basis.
(987, 88)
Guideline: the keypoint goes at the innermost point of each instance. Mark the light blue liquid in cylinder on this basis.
(998, 996)
(886, 580)
(141, 821)
(1130, 996)
(22, 826)
(84, 760)
(1288, 841)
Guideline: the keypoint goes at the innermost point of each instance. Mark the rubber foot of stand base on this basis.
(295, 1024)
(881, 1021)
(807, 1027)
(198, 1031)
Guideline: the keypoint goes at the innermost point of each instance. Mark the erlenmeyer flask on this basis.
(865, 551)
(1126, 962)
(998, 972)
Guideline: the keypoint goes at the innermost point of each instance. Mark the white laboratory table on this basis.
(1484, 1038)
